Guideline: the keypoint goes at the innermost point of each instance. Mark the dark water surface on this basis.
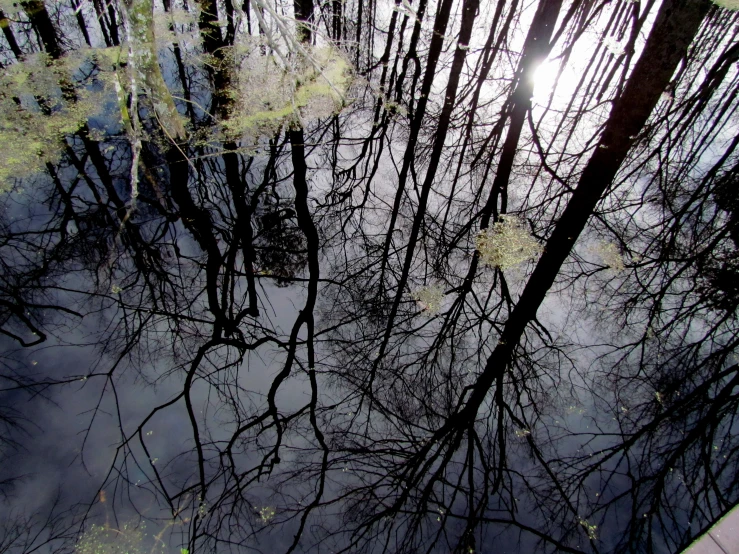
(367, 277)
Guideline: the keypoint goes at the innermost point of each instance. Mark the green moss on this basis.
(145, 63)
(728, 4)
(109, 58)
(267, 95)
(36, 115)
(103, 539)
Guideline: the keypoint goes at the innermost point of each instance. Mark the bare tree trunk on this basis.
(145, 63)
(469, 11)
(305, 17)
(246, 8)
(9, 36)
(230, 29)
(41, 22)
(536, 49)
(338, 16)
(101, 21)
(412, 54)
(209, 29)
(677, 23)
(113, 24)
(76, 6)
(359, 32)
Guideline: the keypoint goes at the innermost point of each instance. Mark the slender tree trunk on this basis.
(304, 15)
(437, 40)
(536, 49)
(146, 65)
(385, 59)
(677, 23)
(491, 48)
(412, 54)
(338, 15)
(108, 22)
(358, 36)
(101, 21)
(230, 29)
(76, 6)
(41, 21)
(9, 36)
(197, 220)
(209, 29)
(246, 8)
(243, 230)
(184, 81)
(469, 11)
(113, 24)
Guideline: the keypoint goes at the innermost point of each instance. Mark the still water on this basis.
(367, 276)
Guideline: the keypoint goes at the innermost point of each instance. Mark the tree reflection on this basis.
(409, 306)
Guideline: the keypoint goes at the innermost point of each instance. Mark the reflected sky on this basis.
(387, 277)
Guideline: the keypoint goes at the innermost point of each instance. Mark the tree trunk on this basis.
(304, 16)
(146, 64)
(246, 8)
(536, 48)
(9, 36)
(338, 15)
(230, 29)
(209, 29)
(469, 11)
(101, 21)
(41, 21)
(677, 23)
(76, 6)
(113, 24)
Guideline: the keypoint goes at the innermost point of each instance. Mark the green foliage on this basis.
(266, 514)
(728, 4)
(590, 529)
(267, 95)
(144, 65)
(40, 104)
(128, 539)
(609, 254)
(103, 539)
(9, 6)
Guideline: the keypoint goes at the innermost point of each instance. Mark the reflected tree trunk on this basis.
(535, 50)
(209, 28)
(309, 299)
(100, 13)
(39, 17)
(469, 12)
(77, 7)
(677, 23)
(305, 17)
(9, 36)
(230, 28)
(145, 65)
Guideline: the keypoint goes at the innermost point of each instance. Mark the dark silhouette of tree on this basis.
(429, 308)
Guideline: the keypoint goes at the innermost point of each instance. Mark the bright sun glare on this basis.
(544, 78)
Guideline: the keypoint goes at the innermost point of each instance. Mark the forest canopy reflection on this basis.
(368, 276)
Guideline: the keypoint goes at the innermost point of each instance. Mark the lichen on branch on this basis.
(507, 243)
